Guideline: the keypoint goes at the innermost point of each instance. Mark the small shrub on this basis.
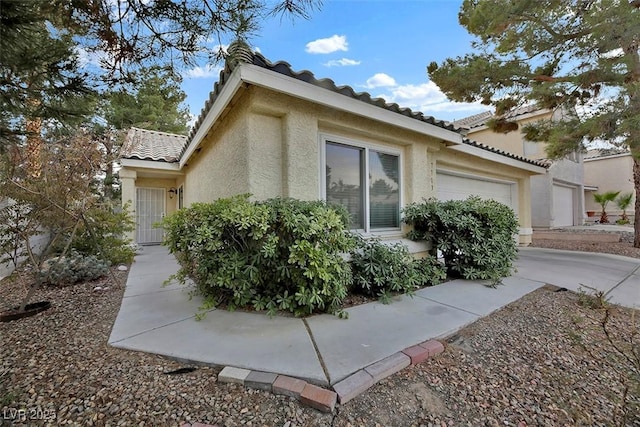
(72, 269)
(379, 269)
(593, 298)
(104, 236)
(280, 254)
(476, 237)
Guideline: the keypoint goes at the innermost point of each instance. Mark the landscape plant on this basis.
(380, 269)
(59, 202)
(72, 268)
(476, 237)
(603, 200)
(624, 201)
(279, 254)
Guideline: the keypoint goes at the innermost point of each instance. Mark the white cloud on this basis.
(205, 72)
(328, 45)
(380, 80)
(221, 47)
(344, 62)
(94, 58)
(257, 49)
(428, 98)
(615, 53)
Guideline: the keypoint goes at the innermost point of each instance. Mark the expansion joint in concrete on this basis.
(317, 350)
(623, 280)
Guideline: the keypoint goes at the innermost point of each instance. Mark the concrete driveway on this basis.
(617, 276)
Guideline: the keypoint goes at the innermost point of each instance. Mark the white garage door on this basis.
(455, 187)
(563, 203)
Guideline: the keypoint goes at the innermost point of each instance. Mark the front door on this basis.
(150, 208)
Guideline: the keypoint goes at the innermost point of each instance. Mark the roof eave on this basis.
(150, 164)
(500, 158)
(259, 76)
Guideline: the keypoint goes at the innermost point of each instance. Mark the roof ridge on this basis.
(158, 131)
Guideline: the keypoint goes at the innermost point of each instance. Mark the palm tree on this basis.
(623, 202)
(603, 200)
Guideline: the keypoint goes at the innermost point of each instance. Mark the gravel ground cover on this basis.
(523, 366)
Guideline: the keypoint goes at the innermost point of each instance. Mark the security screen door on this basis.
(150, 208)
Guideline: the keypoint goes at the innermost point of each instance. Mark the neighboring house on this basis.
(273, 132)
(607, 170)
(557, 196)
(37, 243)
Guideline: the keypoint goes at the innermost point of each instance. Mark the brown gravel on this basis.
(521, 366)
(624, 247)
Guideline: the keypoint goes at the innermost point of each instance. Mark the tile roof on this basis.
(285, 68)
(604, 152)
(541, 162)
(145, 144)
(473, 121)
(481, 119)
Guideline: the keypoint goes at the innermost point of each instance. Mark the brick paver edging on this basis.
(321, 398)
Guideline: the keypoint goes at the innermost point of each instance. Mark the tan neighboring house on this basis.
(557, 196)
(274, 132)
(607, 170)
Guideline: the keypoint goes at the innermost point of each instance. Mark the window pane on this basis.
(344, 180)
(384, 197)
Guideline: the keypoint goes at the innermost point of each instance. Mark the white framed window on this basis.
(365, 178)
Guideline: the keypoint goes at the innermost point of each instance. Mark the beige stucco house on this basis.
(273, 132)
(557, 195)
(607, 170)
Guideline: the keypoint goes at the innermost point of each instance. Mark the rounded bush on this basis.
(476, 237)
(72, 269)
(279, 254)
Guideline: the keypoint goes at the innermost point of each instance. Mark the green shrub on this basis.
(105, 235)
(476, 237)
(380, 269)
(72, 269)
(280, 254)
(430, 271)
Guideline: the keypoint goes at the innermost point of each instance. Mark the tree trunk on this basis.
(636, 215)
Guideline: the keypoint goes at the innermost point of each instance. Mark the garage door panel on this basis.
(563, 205)
(454, 187)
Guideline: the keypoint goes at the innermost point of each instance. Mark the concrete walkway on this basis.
(324, 349)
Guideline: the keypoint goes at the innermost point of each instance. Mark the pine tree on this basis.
(579, 58)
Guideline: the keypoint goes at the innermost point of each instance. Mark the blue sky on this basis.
(379, 46)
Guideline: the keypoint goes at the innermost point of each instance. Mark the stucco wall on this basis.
(608, 174)
(512, 142)
(220, 168)
(284, 138)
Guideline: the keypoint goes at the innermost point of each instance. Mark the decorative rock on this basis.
(122, 268)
